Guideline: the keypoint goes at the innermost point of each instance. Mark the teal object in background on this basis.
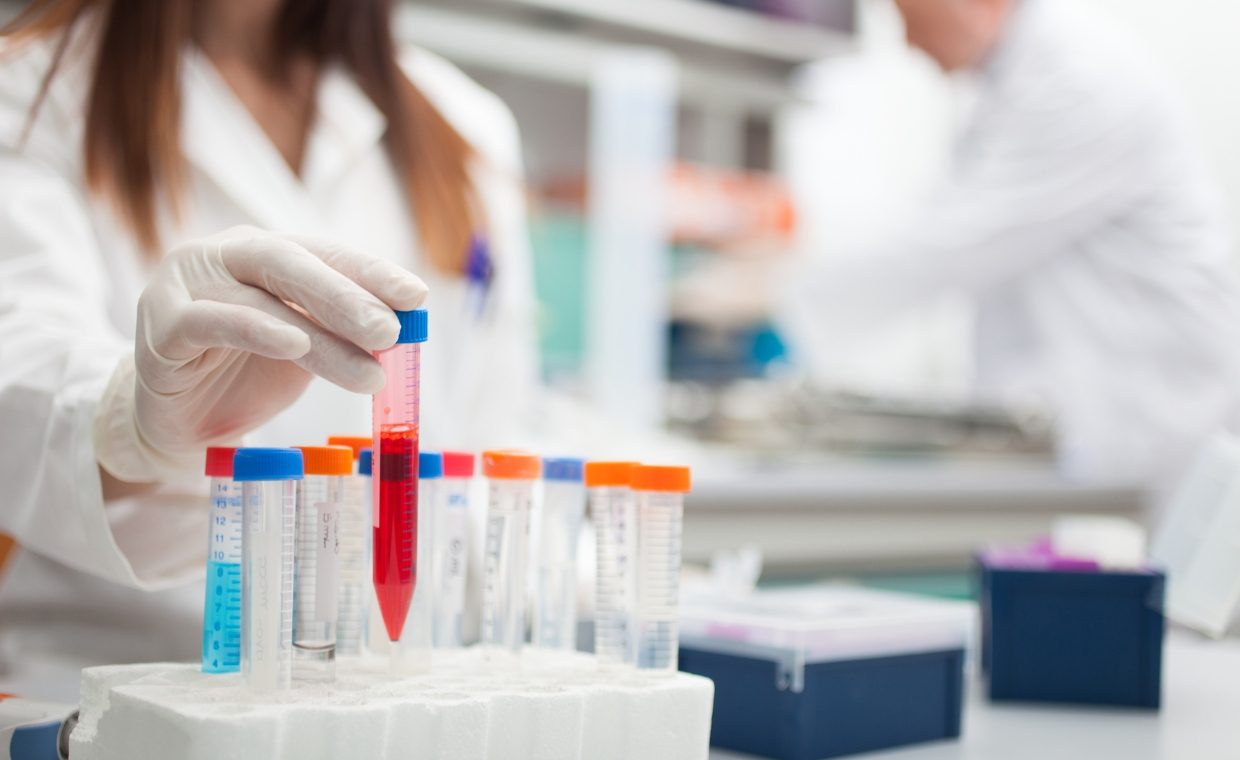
(558, 239)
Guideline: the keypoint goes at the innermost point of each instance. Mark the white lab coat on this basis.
(1081, 224)
(95, 583)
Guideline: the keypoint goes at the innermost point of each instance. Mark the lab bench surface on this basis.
(842, 513)
(1201, 702)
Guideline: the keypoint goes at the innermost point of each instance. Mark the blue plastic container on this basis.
(1074, 636)
(828, 671)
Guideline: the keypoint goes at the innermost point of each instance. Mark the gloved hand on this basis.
(230, 330)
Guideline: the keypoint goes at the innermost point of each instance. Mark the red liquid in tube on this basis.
(396, 532)
(395, 473)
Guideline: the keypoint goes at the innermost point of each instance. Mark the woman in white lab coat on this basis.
(1083, 227)
(147, 149)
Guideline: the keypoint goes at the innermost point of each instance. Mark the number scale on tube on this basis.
(221, 629)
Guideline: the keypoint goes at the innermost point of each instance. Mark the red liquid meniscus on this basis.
(396, 527)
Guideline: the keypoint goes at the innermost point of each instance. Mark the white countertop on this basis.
(1200, 719)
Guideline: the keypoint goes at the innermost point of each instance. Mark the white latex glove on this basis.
(230, 330)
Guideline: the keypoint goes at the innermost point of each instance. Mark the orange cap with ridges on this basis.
(510, 464)
(355, 442)
(327, 460)
(648, 477)
(600, 474)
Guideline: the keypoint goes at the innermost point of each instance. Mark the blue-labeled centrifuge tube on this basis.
(221, 612)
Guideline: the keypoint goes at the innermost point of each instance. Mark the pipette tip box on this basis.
(1062, 630)
(826, 671)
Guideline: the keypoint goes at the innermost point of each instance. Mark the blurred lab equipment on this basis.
(788, 414)
(555, 590)
(268, 480)
(316, 596)
(511, 476)
(660, 494)
(613, 508)
(451, 551)
(221, 615)
(1197, 539)
(821, 671)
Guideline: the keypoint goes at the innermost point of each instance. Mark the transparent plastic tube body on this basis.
(555, 617)
(221, 615)
(660, 516)
(267, 583)
(355, 585)
(615, 524)
(451, 553)
(395, 484)
(414, 652)
(320, 500)
(505, 563)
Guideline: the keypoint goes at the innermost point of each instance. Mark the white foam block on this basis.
(555, 706)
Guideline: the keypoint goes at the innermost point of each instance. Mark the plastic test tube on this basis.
(221, 612)
(395, 417)
(512, 475)
(35, 730)
(660, 516)
(614, 511)
(563, 506)
(418, 639)
(354, 605)
(268, 480)
(320, 501)
(451, 550)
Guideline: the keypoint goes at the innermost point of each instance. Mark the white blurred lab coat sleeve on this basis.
(57, 354)
(1044, 165)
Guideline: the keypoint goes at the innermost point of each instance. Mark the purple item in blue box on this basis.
(1059, 629)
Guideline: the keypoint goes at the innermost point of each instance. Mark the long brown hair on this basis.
(132, 153)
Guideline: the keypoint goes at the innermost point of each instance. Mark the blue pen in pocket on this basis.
(479, 272)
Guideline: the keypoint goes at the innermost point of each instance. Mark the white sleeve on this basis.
(57, 354)
(1053, 162)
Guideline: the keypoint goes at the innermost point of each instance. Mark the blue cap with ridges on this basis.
(564, 468)
(412, 326)
(430, 465)
(363, 461)
(267, 464)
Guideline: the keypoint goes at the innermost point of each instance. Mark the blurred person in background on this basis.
(155, 156)
(1079, 221)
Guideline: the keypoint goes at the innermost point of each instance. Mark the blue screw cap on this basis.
(364, 459)
(267, 464)
(564, 468)
(413, 327)
(430, 465)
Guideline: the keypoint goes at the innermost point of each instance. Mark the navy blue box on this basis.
(1088, 637)
(825, 671)
(845, 707)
